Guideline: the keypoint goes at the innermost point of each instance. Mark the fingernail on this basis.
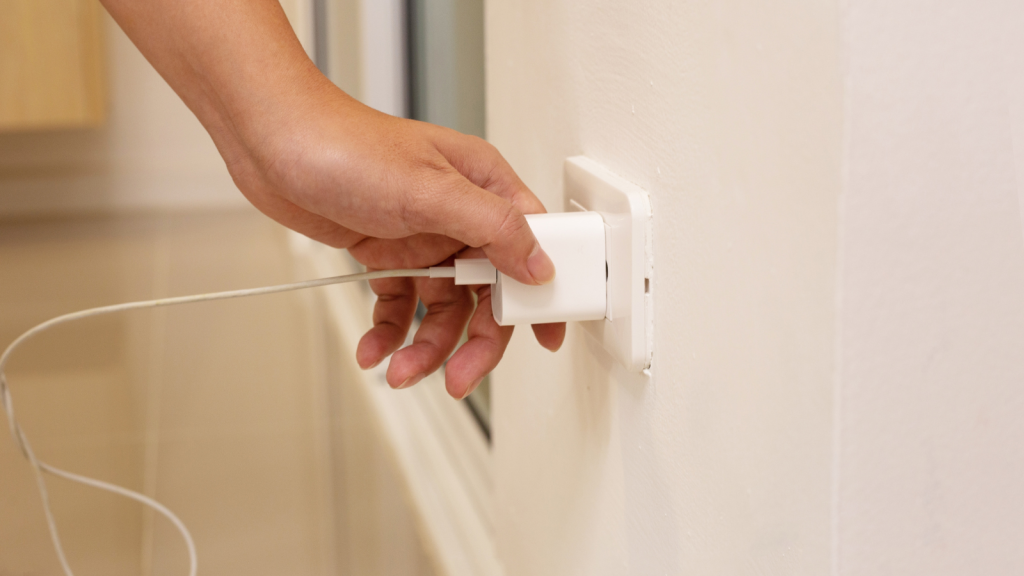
(375, 364)
(411, 381)
(540, 266)
(471, 388)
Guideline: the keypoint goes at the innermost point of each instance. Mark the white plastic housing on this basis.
(627, 330)
(576, 244)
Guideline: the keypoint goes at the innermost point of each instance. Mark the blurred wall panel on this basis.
(342, 62)
(301, 15)
(446, 63)
(51, 64)
(383, 82)
(150, 154)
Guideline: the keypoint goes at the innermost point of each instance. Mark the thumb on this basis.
(459, 209)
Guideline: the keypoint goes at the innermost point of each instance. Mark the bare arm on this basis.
(395, 192)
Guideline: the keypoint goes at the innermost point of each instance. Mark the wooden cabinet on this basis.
(51, 64)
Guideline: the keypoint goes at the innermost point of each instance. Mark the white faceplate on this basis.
(626, 330)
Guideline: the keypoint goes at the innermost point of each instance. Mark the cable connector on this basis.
(575, 242)
(468, 271)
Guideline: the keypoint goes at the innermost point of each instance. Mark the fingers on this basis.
(448, 308)
(459, 209)
(495, 224)
(392, 316)
(477, 357)
(550, 336)
(483, 165)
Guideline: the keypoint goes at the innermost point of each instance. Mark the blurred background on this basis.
(836, 302)
(249, 419)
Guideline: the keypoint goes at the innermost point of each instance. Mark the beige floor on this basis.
(211, 407)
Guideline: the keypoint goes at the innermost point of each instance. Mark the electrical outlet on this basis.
(626, 331)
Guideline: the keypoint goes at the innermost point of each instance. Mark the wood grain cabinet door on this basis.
(51, 64)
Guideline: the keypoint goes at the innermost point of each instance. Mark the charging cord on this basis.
(467, 271)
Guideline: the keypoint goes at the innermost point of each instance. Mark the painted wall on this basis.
(839, 289)
(931, 442)
(366, 49)
(730, 114)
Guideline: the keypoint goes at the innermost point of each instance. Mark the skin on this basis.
(396, 193)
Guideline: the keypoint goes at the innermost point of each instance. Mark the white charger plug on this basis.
(575, 242)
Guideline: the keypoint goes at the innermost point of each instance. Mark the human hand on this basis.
(396, 193)
(404, 194)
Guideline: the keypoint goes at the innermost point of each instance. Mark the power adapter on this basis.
(602, 255)
(601, 249)
(575, 242)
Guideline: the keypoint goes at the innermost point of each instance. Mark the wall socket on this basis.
(627, 330)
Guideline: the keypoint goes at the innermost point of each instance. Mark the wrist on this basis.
(268, 124)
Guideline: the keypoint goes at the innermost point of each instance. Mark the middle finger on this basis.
(448, 309)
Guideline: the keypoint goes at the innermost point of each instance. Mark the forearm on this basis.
(236, 63)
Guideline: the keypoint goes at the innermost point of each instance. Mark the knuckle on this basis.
(428, 187)
(512, 224)
(387, 298)
(430, 160)
(481, 145)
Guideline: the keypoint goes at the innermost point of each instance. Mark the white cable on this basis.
(39, 466)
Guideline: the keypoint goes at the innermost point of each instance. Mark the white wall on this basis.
(366, 52)
(382, 53)
(931, 452)
(730, 114)
(839, 289)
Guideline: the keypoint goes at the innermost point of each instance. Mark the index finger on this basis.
(482, 164)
